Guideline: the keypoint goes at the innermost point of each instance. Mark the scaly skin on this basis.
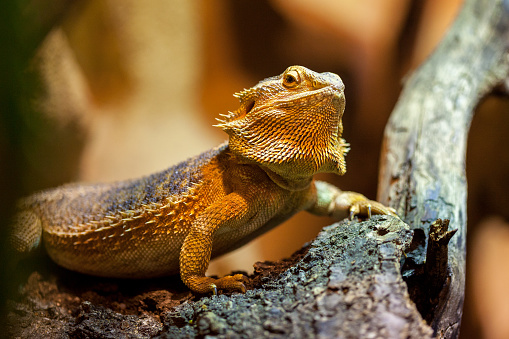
(287, 129)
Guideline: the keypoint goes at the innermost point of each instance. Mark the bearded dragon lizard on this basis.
(287, 128)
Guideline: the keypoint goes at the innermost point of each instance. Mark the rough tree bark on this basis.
(346, 284)
(423, 167)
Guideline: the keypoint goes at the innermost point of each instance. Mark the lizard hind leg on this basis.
(25, 233)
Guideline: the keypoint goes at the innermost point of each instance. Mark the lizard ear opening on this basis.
(233, 120)
(244, 111)
(250, 106)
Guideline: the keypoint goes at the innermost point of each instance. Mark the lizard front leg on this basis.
(230, 212)
(328, 200)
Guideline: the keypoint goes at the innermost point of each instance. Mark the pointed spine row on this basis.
(171, 216)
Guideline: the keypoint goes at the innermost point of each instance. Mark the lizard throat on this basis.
(290, 144)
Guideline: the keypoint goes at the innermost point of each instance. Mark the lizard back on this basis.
(150, 215)
(76, 204)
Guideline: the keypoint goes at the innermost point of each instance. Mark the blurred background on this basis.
(104, 90)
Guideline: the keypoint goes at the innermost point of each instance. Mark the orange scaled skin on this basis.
(287, 129)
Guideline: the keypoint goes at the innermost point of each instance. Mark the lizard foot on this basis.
(369, 207)
(211, 285)
(232, 283)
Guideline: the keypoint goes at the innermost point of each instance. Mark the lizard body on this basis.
(287, 129)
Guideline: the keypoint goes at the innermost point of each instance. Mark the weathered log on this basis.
(345, 284)
(348, 285)
(423, 162)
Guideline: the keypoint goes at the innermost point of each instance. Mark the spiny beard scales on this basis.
(307, 137)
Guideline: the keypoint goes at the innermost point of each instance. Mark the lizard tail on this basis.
(25, 233)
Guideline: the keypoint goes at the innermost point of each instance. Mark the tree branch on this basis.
(423, 165)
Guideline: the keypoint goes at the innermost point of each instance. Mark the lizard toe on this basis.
(232, 283)
(370, 207)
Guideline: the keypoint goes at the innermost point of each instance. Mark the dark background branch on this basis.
(423, 165)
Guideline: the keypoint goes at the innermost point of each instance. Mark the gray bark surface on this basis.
(347, 284)
(423, 162)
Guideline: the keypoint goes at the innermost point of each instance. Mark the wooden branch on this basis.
(345, 284)
(423, 165)
(437, 256)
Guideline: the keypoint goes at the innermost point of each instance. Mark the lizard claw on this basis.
(357, 204)
(370, 207)
(361, 207)
(242, 288)
(210, 285)
(213, 287)
(232, 283)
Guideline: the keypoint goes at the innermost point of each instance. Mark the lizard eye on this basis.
(291, 79)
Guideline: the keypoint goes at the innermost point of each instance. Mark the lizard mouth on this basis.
(308, 98)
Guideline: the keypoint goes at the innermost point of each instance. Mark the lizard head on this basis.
(291, 123)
